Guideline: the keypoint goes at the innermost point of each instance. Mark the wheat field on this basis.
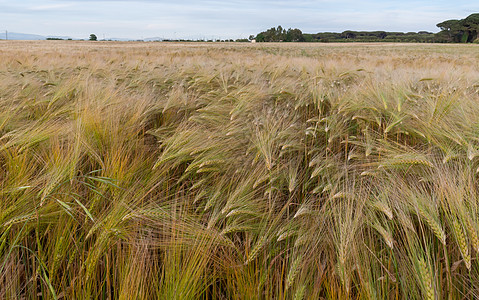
(238, 171)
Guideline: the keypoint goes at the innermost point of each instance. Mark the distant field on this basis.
(238, 171)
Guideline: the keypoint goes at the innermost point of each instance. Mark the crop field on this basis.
(238, 171)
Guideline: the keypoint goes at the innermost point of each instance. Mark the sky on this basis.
(213, 19)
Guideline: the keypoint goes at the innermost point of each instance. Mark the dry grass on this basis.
(238, 171)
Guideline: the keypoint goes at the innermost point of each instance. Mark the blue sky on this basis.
(222, 19)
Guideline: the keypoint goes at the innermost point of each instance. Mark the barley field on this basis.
(238, 171)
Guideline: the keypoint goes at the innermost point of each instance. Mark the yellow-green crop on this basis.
(238, 171)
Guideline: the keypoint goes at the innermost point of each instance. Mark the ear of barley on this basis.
(433, 225)
(383, 207)
(386, 235)
(473, 234)
(301, 240)
(303, 210)
(462, 243)
(284, 234)
(343, 275)
(406, 161)
(427, 280)
(232, 229)
(20, 219)
(299, 294)
(256, 249)
(293, 271)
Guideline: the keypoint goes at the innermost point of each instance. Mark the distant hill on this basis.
(30, 37)
(119, 39)
(36, 37)
(153, 39)
(22, 36)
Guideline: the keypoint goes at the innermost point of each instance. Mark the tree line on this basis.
(452, 31)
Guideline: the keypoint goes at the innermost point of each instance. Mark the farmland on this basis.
(238, 171)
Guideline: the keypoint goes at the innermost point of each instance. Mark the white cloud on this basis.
(52, 6)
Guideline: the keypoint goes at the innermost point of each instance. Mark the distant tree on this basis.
(279, 34)
(260, 37)
(348, 34)
(452, 30)
(382, 34)
(449, 25)
(308, 37)
(471, 27)
(294, 35)
(93, 37)
(460, 31)
(270, 35)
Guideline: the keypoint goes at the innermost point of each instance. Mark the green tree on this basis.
(271, 35)
(471, 27)
(452, 30)
(260, 37)
(460, 31)
(348, 34)
(93, 37)
(280, 35)
(294, 35)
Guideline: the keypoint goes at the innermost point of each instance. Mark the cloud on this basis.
(52, 6)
